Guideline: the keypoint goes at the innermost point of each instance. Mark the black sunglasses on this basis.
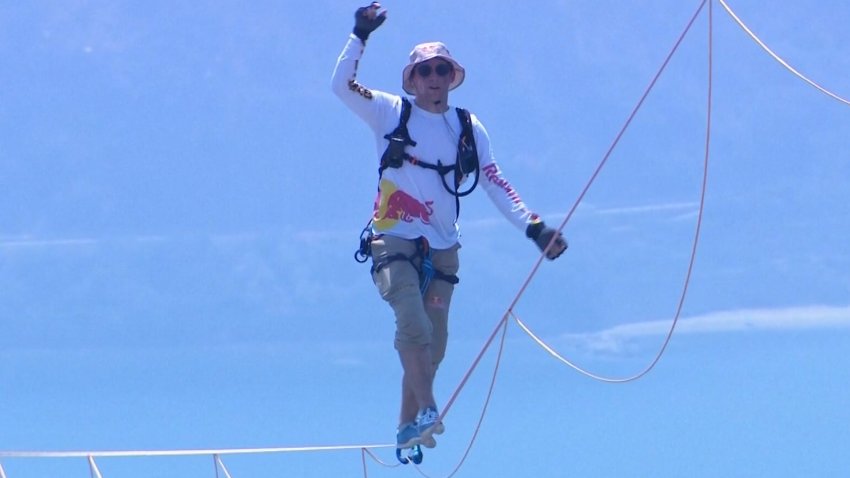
(442, 69)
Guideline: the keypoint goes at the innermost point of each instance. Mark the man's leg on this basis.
(417, 381)
(398, 283)
(436, 301)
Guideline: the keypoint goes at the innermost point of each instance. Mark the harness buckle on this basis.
(467, 158)
(394, 154)
(364, 252)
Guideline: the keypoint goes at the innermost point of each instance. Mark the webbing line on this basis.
(215, 453)
(778, 58)
(154, 453)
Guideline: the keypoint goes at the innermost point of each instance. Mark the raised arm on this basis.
(344, 84)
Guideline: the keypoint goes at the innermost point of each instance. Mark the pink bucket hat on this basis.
(424, 52)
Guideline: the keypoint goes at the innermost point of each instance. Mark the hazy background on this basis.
(181, 196)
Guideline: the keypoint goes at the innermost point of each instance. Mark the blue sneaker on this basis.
(407, 436)
(428, 424)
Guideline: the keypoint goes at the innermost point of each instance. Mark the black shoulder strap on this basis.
(465, 120)
(400, 131)
(467, 153)
(405, 113)
(399, 139)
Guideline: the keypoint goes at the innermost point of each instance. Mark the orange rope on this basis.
(691, 262)
(509, 312)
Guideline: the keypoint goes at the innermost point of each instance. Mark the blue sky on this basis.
(181, 195)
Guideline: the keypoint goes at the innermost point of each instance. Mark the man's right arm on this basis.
(357, 97)
(344, 79)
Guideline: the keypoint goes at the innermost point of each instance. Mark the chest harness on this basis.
(466, 162)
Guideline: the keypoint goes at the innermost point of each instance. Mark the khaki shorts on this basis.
(419, 320)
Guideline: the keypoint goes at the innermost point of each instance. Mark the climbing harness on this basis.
(421, 261)
(466, 163)
(466, 160)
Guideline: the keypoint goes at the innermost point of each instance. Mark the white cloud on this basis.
(616, 339)
(349, 362)
(28, 242)
(682, 210)
(688, 207)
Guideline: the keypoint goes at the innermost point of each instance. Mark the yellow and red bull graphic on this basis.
(393, 205)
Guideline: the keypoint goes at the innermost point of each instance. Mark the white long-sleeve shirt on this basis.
(412, 201)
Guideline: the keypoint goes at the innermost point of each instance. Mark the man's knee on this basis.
(413, 331)
(438, 314)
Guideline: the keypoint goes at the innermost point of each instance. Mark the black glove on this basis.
(542, 236)
(367, 19)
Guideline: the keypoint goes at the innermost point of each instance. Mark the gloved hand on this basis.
(367, 19)
(542, 236)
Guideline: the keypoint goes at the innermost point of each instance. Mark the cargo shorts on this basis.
(419, 320)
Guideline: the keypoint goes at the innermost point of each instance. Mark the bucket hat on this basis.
(424, 52)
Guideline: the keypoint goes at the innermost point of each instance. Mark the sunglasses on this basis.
(442, 69)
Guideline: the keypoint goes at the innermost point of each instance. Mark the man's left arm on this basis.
(509, 202)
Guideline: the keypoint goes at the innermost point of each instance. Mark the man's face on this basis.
(431, 80)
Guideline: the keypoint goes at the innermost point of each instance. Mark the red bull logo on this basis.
(395, 205)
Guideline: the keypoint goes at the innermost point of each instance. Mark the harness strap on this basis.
(399, 139)
(466, 163)
(440, 168)
(466, 160)
(427, 271)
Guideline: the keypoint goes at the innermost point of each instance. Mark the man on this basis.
(414, 231)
